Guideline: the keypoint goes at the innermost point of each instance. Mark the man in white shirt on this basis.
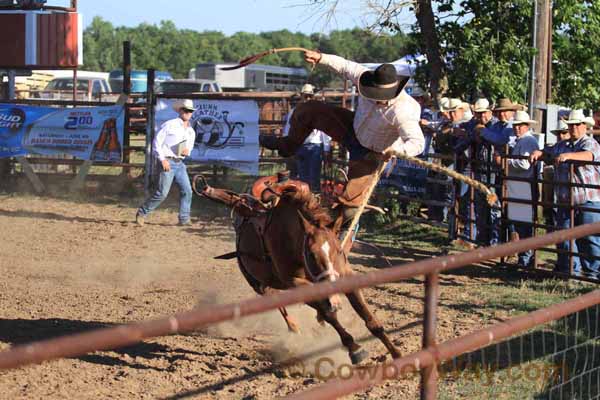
(385, 123)
(520, 214)
(173, 142)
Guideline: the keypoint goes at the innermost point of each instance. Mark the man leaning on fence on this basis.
(487, 220)
(520, 214)
(173, 142)
(385, 124)
(578, 148)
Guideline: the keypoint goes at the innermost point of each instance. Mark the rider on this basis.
(385, 124)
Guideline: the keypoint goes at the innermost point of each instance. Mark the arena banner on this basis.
(409, 178)
(87, 133)
(226, 131)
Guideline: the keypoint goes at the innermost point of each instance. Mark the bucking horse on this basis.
(286, 239)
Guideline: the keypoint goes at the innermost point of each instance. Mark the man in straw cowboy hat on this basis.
(579, 147)
(522, 214)
(548, 194)
(385, 123)
(477, 150)
(173, 142)
(310, 155)
(449, 132)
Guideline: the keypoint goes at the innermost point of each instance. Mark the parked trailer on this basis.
(253, 77)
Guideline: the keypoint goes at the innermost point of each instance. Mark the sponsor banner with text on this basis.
(226, 132)
(87, 133)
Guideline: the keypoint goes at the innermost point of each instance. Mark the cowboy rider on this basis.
(384, 124)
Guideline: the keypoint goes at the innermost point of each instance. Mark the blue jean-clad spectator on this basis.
(177, 173)
(579, 147)
(309, 156)
(521, 214)
(308, 165)
(173, 142)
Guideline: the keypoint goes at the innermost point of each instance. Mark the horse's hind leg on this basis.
(356, 353)
(357, 302)
(289, 320)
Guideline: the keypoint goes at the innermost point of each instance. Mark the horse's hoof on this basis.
(358, 356)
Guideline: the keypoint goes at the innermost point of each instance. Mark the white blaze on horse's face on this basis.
(325, 248)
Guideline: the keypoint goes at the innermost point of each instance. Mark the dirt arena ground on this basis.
(69, 266)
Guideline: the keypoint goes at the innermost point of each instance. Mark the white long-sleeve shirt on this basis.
(171, 133)
(377, 127)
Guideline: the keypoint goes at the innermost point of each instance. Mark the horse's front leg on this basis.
(357, 301)
(334, 302)
(356, 353)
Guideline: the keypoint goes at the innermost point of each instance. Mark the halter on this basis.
(328, 272)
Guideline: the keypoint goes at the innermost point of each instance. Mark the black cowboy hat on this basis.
(381, 84)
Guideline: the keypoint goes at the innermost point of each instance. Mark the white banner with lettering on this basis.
(226, 131)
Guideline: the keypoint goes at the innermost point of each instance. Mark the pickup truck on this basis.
(88, 89)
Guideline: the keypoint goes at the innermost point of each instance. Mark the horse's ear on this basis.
(337, 224)
(308, 226)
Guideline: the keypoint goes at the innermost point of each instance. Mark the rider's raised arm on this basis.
(410, 136)
(347, 68)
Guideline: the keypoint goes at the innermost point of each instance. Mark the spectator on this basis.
(173, 142)
(525, 145)
(309, 157)
(548, 193)
(579, 147)
(480, 155)
(444, 141)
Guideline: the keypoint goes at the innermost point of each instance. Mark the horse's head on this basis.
(324, 259)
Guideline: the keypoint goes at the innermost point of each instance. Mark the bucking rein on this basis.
(489, 195)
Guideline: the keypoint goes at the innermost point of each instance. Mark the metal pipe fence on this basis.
(432, 356)
(110, 338)
(542, 214)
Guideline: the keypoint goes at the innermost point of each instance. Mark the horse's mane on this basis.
(310, 207)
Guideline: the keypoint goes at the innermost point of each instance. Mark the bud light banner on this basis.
(93, 133)
(226, 131)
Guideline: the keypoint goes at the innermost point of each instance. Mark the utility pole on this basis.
(539, 88)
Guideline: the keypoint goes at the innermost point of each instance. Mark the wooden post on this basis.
(11, 84)
(127, 67)
(126, 90)
(38, 186)
(149, 133)
(540, 65)
(550, 50)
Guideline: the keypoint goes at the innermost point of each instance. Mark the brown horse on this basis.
(285, 240)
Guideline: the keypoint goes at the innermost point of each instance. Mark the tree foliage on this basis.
(165, 47)
(488, 46)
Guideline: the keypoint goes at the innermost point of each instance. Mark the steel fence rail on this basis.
(434, 355)
(110, 338)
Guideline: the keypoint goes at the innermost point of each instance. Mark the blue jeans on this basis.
(308, 162)
(178, 173)
(589, 245)
(525, 231)
(467, 212)
(488, 221)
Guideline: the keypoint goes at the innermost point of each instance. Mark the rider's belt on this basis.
(175, 159)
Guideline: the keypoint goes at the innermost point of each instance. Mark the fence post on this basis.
(571, 216)
(126, 90)
(149, 132)
(127, 67)
(429, 375)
